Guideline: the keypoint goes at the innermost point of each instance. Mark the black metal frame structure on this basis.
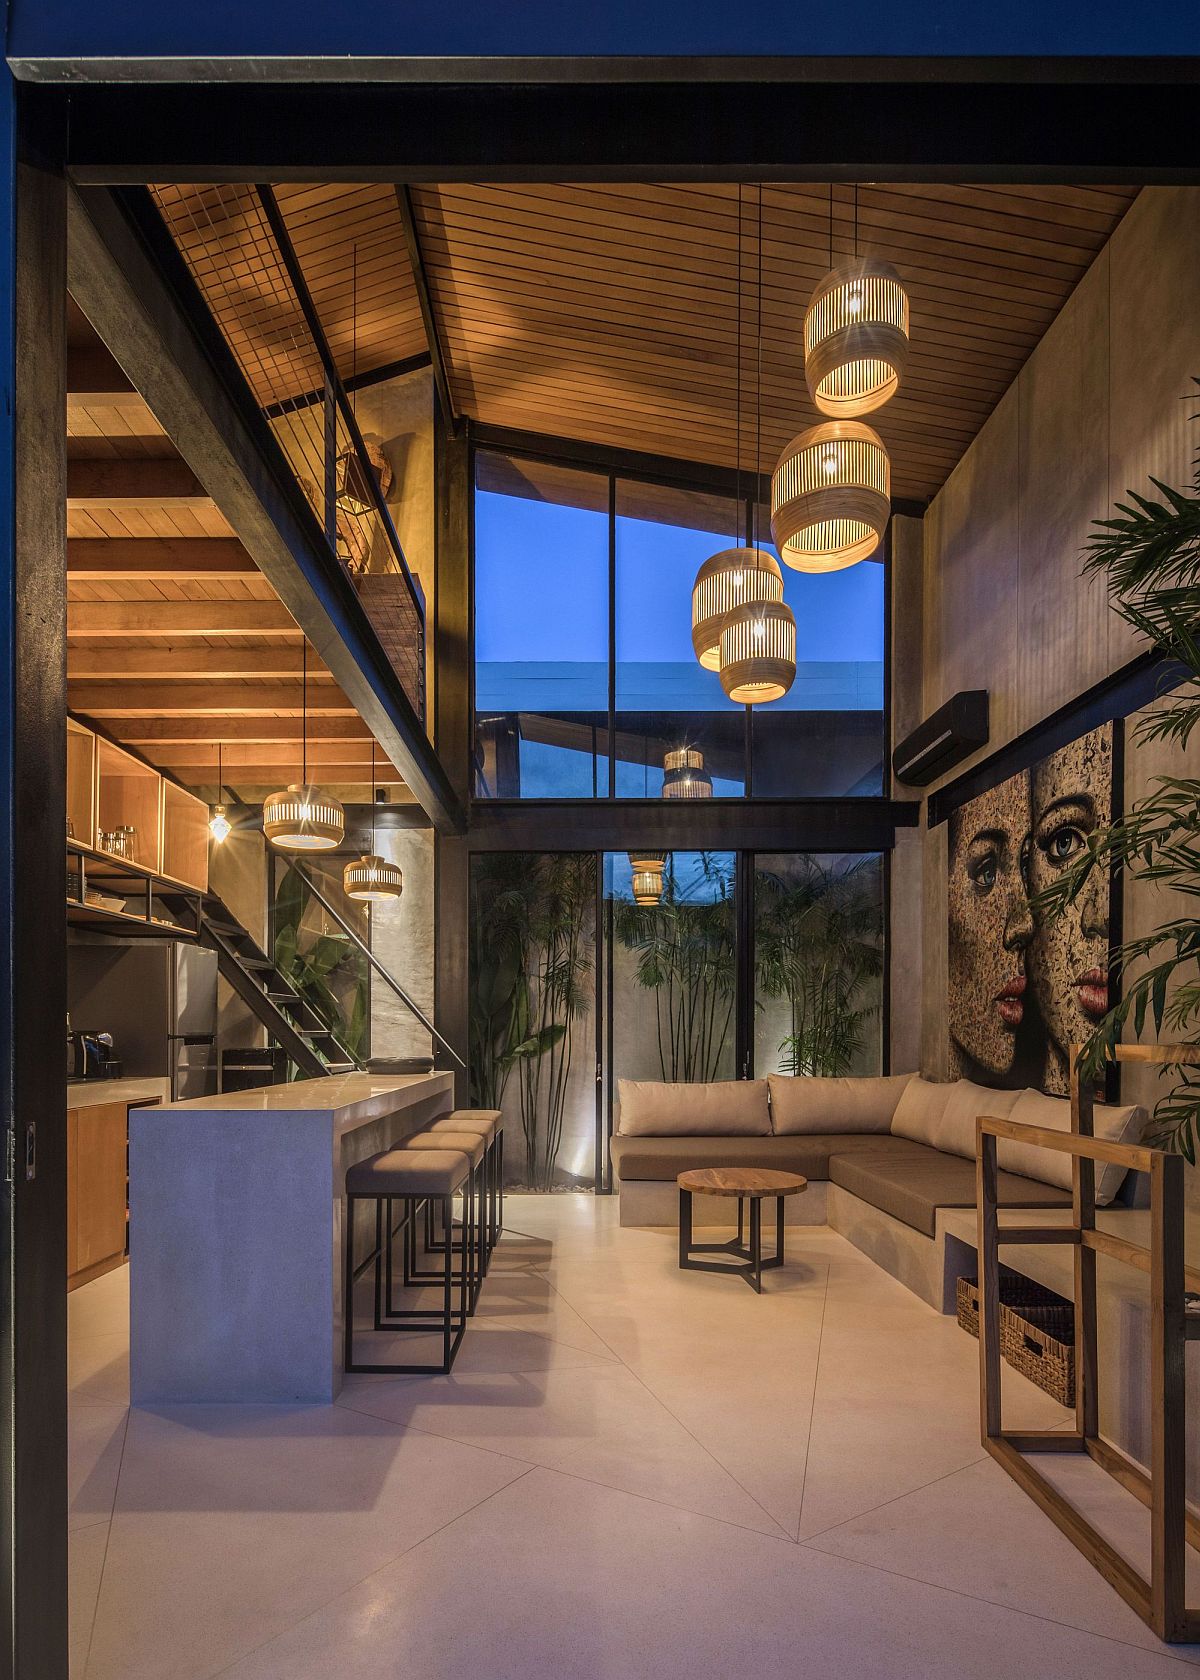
(752, 1264)
(129, 121)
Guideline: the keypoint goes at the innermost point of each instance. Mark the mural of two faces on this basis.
(1023, 989)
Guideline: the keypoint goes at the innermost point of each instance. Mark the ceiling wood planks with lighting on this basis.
(177, 646)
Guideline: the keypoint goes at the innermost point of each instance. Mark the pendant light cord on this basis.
(758, 378)
(220, 771)
(831, 224)
(856, 221)
(737, 464)
(304, 712)
(372, 796)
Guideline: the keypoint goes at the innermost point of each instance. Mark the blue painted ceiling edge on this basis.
(342, 39)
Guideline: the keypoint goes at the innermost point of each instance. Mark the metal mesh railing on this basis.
(235, 243)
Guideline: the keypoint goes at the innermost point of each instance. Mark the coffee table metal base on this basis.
(750, 1254)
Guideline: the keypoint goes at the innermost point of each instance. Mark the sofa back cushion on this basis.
(729, 1107)
(955, 1131)
(804, 1104)
(1033, 1108)
(919, 1109)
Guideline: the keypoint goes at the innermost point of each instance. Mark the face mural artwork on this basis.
(1022, 988)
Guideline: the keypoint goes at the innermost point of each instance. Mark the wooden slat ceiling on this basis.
(173, 655)
(608, 313)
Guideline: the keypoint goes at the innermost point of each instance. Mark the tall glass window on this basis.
(818, 963)
(541, 631)
(665, 700)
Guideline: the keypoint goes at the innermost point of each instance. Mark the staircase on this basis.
(290, 1019)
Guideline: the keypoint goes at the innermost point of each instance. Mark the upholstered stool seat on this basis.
(470, 1144)
(488, 1123)
(415, 1179)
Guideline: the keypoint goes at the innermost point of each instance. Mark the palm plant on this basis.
(1149, 557)
(818, 943)
(685, 956)
(327, 969)
(530, 974)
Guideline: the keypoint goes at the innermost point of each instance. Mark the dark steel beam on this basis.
(357, 382)
(134, 288)
(805, 825)
(1111, 122)
(33, 988)
(433, 334)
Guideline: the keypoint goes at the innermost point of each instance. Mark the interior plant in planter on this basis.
(325, 967)
(818, 944)
(1149, 557)
(684, 953)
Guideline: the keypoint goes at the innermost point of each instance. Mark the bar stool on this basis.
(476, 1218)
(414, 1178)
(489, 1122)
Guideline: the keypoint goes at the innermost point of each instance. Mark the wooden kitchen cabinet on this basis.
(97, 1141)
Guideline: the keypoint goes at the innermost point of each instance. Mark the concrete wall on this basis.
(1099, 407)
(402, 939)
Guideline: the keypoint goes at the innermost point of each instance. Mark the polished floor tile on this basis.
(609, 1486)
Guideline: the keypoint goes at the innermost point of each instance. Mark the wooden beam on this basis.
(204, 754)
(136, 482)
(119, 662)
(94, 372)
(283, 771)
(180, 618)
(162, 699)
(152, 732)
(158, 557)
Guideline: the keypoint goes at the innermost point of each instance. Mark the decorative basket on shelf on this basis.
(1037, 1331)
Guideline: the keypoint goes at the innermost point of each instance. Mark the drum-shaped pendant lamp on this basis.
(684, 775)
(831, 496)
(758, 653)
(303, 819)
(644, 862)
(729, 580)
(372, 879)
(856, 338)
(647, 886)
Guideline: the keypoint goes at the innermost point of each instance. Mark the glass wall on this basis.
(532, 1021)
(665, 701)
(673, 968)
(541, 631)
(579, 699)
(818, 963)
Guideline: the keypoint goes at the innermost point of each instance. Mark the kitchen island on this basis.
(236, 1208)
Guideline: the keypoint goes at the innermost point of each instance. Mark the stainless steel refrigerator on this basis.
(158, 999)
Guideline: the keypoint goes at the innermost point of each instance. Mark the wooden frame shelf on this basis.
(129, 795)
(89, 870)
(1161, 1601)
(81, 783)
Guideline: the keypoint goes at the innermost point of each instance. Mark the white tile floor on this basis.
(633, 1472)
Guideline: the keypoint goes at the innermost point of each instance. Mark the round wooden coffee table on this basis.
(748, 1184)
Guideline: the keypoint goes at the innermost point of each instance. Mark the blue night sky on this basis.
(541, 600)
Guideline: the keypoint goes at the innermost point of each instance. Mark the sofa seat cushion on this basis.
(912, 1187)
(807, 1153)
(809, 1104)
(724, 1108)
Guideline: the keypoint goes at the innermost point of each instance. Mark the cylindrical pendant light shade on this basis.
(729, 580)
(758, 653)
(373, 880)
(856, 338)
(831, 496)
(684, 775)
(303, 819)
(647, 886)
(643, 861)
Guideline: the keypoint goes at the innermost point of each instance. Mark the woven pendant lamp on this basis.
(856, 338)
(641, 861)
(302, 818)
(729, 580)
(373, 879)
(758, 653)
(684, 775)
(831, 496)
(647, 886)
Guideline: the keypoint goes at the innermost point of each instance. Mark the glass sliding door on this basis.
(818, 963)
(672, 968)
(532, 1011)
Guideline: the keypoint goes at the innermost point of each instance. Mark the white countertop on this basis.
(89, 1093)
(349, 1099)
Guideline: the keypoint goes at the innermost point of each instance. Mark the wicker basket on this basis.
(1037, 1331)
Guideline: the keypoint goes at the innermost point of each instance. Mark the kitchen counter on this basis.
(88, 1093)
(236, 1208)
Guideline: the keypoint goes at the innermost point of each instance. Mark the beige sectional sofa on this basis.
(884, 1157)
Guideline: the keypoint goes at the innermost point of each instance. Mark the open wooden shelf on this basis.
(184, 837)
(134, 891)
(129, 794)
(81, 783)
